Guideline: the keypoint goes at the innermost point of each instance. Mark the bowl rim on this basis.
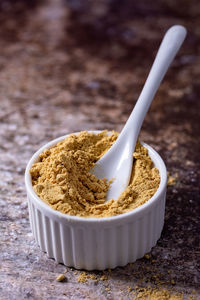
(141, 209)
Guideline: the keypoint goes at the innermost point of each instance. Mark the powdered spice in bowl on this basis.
(69, 216)
(63, 180)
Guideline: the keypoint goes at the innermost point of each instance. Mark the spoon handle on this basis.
(170, 45)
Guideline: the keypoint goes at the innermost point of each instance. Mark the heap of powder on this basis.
(62, 178)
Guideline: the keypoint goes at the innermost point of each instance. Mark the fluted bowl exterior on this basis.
(97, 243)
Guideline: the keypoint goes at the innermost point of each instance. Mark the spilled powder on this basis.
(62, 179)
(61, 277)
(171, 180)
(151, 293)
(83, 277)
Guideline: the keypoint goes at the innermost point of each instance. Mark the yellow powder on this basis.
(103, 278)
(170, 179)
(150, 293)
(83, 277)
(62, 179)
(61, 277)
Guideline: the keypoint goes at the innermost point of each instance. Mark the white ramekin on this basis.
(97, 243)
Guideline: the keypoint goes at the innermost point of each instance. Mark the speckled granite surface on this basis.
(76, 65)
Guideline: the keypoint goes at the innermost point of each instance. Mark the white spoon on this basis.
(117, 163)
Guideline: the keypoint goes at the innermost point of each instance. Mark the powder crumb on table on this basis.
(171, 180)
(130, 289)
(151, 293)
(83, 277)
(93, 277)
(193, 298)
(61, 177)
(103, 278)
(61, 278)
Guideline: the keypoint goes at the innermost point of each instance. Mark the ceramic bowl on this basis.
(97, 243)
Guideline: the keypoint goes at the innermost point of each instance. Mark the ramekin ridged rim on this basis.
(96, 220)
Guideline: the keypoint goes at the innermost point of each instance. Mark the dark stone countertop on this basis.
(80, 65)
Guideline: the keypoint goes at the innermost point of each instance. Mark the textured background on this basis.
(80, 65)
